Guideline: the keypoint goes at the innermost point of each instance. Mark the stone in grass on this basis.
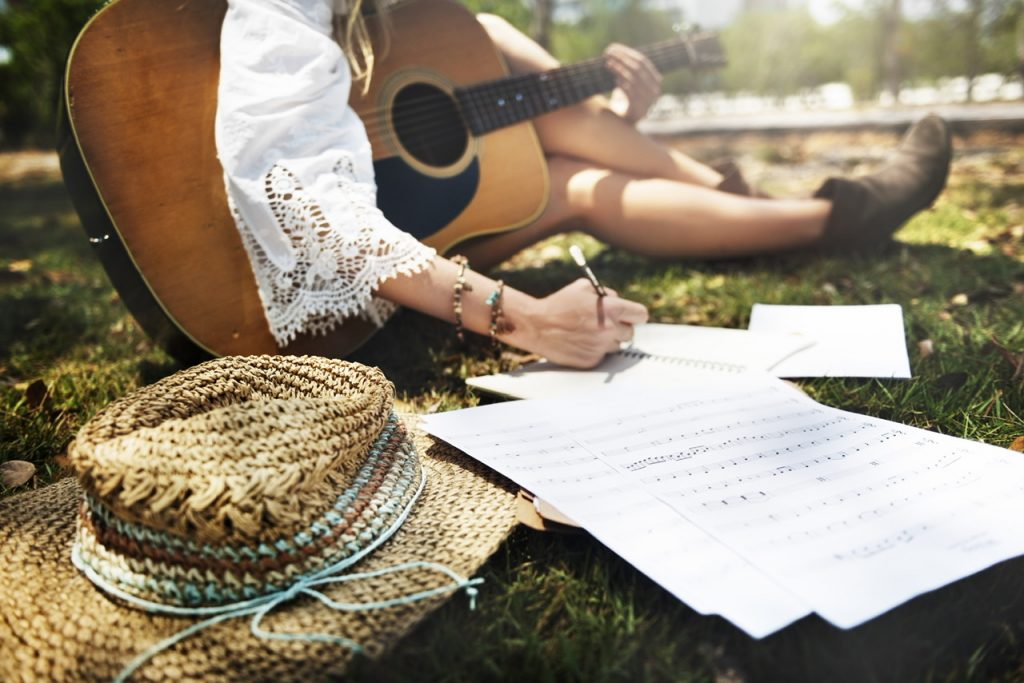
(952, 380)
(14, 473)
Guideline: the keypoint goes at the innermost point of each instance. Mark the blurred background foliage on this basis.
(37, 35)
(775, 48)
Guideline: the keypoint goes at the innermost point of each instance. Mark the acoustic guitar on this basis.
(137, 152)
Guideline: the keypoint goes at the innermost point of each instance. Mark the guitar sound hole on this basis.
(428, 125)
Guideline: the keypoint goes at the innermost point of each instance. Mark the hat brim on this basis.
(54, 623)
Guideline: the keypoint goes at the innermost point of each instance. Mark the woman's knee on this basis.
(494, 24)
(573, 183)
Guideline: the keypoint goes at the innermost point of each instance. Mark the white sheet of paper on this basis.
(781, 504)
(852, 341)
(660, 356)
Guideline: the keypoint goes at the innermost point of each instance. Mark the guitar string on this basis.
(561, 78)
(496, 89)
(567, 78)
(562, 73)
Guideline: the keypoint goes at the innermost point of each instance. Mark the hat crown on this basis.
(237, 448)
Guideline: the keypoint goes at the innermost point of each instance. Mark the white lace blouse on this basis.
(298, 170)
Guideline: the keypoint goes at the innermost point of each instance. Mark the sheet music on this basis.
(519, 441)
(849, 514)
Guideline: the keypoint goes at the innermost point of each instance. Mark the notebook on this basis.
(660, 355)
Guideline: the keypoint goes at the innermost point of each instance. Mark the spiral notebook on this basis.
(660, 356)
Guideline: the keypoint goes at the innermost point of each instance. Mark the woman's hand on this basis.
(575, 327)
(638, 80)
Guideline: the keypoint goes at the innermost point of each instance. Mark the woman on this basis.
(300, 182)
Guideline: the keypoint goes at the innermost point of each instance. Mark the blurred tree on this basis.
(540, 27)
(1019, 40)
(778, 53)
(936, 49)
(855, 42)
(972, 55)
(1003, 48)
(892, 47)
(980, 36)
(598, 23)
(39, 34)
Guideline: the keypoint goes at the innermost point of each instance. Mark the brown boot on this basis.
(733, 181)
(867, 211)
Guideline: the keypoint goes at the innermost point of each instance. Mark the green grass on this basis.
(561, 607)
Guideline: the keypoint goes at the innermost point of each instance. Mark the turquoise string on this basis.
(264, 605)
(304, 587)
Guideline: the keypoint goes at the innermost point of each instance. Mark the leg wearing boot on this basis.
(665, 219)
(867, 211)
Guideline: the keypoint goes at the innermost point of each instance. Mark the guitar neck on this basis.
(504, 102)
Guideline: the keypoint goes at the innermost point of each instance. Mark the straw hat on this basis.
(272, 506)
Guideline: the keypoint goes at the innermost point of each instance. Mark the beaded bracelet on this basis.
(498, 323)
(458, 288)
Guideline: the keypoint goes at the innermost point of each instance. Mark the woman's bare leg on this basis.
(572, 131)
(657, 217)
(625, 189)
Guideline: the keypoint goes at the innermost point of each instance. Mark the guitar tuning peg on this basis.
(685, 27)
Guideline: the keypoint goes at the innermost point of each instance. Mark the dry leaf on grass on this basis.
(14, 473)
(16, 271)
(36, 393)
(926, 347)
(1016, 360)
(1018, 444)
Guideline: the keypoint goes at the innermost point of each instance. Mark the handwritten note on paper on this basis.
(850, 514)
(852, 341)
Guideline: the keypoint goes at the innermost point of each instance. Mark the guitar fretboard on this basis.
(496, 104)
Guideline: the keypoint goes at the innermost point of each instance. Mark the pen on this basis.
(577, 256)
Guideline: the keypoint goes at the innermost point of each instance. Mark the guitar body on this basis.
(445, 185)
(138, 156)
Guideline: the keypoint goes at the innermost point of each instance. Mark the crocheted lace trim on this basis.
(335, 268)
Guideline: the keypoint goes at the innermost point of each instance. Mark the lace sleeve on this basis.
(298, 171)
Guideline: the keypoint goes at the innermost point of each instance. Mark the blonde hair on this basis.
(351, 32)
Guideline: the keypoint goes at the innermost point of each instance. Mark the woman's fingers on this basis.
(624, 59)
(626, 311)
(623, 315)
(577, 327)
(635, 75)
